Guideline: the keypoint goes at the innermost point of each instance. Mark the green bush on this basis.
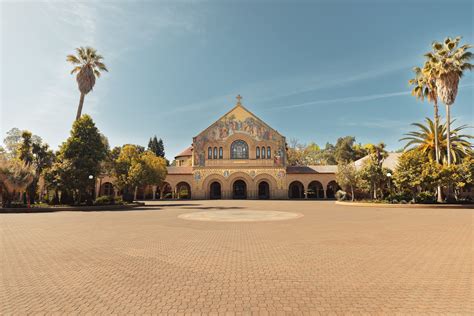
(426, 197)
(108, 200)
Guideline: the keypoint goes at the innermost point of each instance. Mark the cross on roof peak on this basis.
(238, 97)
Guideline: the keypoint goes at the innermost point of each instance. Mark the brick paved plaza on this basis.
(333, 259)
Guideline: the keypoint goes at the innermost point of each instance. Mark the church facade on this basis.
(239, 157)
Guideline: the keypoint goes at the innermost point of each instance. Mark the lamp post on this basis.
(91, 177)
(389, 175)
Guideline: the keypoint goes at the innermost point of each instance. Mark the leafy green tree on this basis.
(373, 173)
(348, 177)
(88, 65)
(416, 173)
(81, 156)
(344, 149)
(134, 168)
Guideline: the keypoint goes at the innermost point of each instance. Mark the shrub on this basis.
(341, 195)
(108, 200)
(426, 197)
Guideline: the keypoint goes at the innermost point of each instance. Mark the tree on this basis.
(347, 177)
(447, 63)
(424, 140)
(373, 172)
(344, 149)
(134, 168)
(88, 65)
(81, 156)
(15, 176)
(157, 147)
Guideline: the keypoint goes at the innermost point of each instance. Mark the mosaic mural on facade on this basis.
(237, 121)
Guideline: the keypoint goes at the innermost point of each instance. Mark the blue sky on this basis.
(313, 70)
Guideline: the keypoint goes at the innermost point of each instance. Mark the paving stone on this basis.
(333, 260)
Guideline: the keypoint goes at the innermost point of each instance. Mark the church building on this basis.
(240, 157)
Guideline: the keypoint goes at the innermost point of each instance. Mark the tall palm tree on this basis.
(88, 65)
(424, 86)
(424, 140)
(448, 61)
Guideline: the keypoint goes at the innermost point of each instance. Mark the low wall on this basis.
(386, 205)
(69, 208)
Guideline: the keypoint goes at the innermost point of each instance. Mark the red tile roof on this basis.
(180, 170)
(310, 169)
(187, 152)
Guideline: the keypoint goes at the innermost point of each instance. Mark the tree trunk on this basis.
(352, 193)
(375, 191)
(79, 108)
(437, 151)
(135, 194)
(448, 133)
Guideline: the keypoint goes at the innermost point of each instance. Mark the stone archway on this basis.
(107, 189)
(315, 190)
(263, 190)
(215, 191)
(239, 190)
(296, 190)
(166, 191)
(331, 190)
(183, 190)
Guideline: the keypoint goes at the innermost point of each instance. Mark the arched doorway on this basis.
(107, 189)
(166, 191)
(315, 190)
(296, 190)
(183, 190)
(331, 190)
(215, 192)
(239, 189)
(263, 190)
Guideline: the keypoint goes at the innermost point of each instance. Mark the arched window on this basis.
(239, 150)
(257, 155)
(209, 153)
(221, 153)
(263, 152)
(269, 152)
(215, 152)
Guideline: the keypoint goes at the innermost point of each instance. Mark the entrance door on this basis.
(263, 190)
(239, 190)
(215, 191)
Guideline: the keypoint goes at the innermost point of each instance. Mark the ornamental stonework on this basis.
(201, 174)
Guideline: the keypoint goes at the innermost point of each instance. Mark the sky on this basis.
(313, 70)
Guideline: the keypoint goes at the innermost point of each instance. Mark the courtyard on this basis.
(276, 257)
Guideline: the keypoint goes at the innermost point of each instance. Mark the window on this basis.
(239, 150)
(209, 153)
(269, 153)
(263, 152)
(215, 152)
(257, 155)
(221, 153)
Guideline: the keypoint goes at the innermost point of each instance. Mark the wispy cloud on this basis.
(354, 99)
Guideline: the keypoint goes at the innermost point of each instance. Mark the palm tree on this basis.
(88, 65)
(424, 140)
(425, 87)
(15, 176)
(448, 62)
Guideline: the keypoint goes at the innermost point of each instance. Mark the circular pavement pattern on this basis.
(240, 216)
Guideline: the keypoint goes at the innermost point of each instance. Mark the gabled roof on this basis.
(235, 108)
(390, 162)
(186, 153)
